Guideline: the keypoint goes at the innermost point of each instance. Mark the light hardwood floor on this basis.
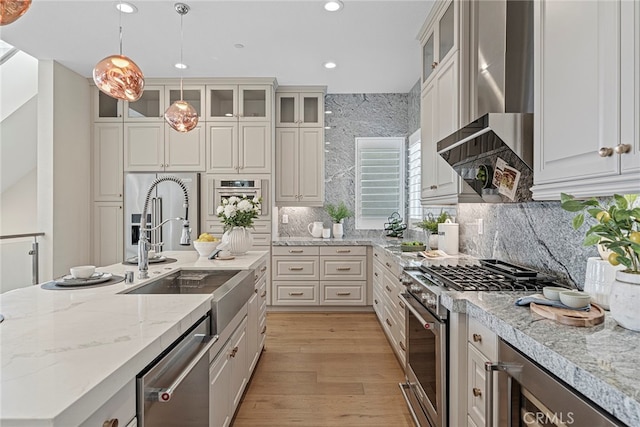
(325, 369)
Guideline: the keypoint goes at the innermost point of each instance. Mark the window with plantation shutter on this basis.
(379, 181)
(414, 178)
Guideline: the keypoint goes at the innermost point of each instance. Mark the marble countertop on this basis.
(601, 362)
(63, 353)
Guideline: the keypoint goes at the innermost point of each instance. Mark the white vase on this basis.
(338, 231)
(433, 241)
(624, 300)
(239, 240)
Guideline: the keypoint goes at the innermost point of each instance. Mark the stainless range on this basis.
(426, 328)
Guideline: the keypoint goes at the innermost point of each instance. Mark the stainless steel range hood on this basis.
(494, 153)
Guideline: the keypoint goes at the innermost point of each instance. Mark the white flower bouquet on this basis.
(239, 211)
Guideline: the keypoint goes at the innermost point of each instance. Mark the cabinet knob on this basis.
(110, 423)
(477, 338)
(433, 187)
(605, 151)
(434, 65)
(263, 294)
(264, 329)
(388, 322)
(622, 148)
(476, 392)
(402, 346)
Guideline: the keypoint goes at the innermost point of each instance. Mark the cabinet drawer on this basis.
(259, 226)
(296, 268)
(483, 339)
(476, 385)
(342, 293)
(261, 240)
(343, 250)
(260, 271)
(296, 250)
(298, 293)
(344, 268)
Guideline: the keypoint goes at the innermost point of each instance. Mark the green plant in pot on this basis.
(617, 229)
(430, 227)
(338, 214)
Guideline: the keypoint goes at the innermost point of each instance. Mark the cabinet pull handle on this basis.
(375, 255)
(263, 294)
(433, 187)
(296, 268)
(343, 251)
(343, 294)
(477, 338)
(388, 322)
(234, 351)
(255, 290)
(402, 346)
(264, 329)
(622, 148)
(263, 269)
(343, 268)
(434, 65)
(296, 294)
(375, 300)
(401, 305)
(296, 251)
(110, 423)
(255, 277)
(387, 288)
(387, 264)
(476, 392)
(605, 152)
(375, 274)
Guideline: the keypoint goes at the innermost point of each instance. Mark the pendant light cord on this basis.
(120, 25)
(182, 63)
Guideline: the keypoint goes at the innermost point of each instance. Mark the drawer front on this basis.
(296, 268)
(259, 226)
(483, 339)
(343, 250)
(298, 293)
(261, 240)
(475, 384)
(342, 293)
(296, 250)
(260, 271)
(345, 268)
(262, 331)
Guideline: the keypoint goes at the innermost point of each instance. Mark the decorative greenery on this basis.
(430, 223)
(617, 227)
(239, 212)
(338, 213)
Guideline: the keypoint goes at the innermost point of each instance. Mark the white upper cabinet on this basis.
(149, 108)
(232, 102)
(107, 162)
(587, 98)
(440, 41)
(238, 147)
(193, 94)
(299, 109)
(106, 108)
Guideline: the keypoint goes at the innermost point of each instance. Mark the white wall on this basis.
(64, 175)
(19, 82)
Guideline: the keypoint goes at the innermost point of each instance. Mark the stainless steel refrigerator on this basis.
(166, 201)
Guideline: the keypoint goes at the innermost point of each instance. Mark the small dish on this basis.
(553, 292)
(93, 280)
(575, 299)
(82, 271)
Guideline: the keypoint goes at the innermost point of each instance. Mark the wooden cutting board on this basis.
(593, 317)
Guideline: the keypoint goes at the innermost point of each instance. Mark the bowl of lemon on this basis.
(205, 244)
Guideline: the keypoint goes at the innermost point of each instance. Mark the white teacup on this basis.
(152, 254)
(224, 254)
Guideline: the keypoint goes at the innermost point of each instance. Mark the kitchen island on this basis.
(64, 353)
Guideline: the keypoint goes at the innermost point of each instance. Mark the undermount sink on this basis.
(229, 289)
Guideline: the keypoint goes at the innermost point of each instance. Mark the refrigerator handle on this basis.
(159, 220)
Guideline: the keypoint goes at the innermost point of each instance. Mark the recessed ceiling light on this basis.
(330, 65)
(125, 7)
(238, 45)
(181, 66)
(333, 6)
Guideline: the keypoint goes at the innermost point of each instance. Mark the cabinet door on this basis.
(475, 383)
(311, 109)
(428, 156)
(222, 143)
(143, 147)
(108, 233)
(185, 151)
(106, 108)
(219, 393)
(311, 166)
(239, 365)
(286, 175)
(107, 162)
(287, 111)
(448, 32)
(630, 85)
(428, 58)
(193, 94)
(577, 102)
(253, 323)
(254, 148)
(222, 103)
(254, 103)
(150, 106)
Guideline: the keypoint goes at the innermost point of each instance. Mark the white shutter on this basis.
(379, 180)
(415, 185)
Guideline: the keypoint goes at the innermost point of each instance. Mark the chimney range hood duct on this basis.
(494, 153)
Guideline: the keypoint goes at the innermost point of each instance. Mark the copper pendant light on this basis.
(118, 76)
(10, 10)
(181, 115)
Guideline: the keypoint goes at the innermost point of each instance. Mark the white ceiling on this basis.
(373, 42)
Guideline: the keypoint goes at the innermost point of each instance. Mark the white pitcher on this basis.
(315, 229)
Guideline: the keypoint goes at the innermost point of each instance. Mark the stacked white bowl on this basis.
(598, 279)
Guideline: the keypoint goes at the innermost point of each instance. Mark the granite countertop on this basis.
(601, 362)
(64, 353)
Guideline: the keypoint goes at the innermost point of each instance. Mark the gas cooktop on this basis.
(489, 275)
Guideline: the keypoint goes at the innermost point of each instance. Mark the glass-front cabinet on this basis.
(304, 109)
(441, 41)
(150, 106)
(106, 108)
(193, 94)
(238, 103)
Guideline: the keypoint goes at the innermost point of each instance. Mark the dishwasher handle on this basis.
(164, 394)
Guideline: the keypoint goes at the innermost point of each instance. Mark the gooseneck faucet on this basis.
(143, 242)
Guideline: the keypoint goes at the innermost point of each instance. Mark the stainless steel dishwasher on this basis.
(173, 391)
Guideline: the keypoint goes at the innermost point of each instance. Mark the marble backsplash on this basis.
(538, 235)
